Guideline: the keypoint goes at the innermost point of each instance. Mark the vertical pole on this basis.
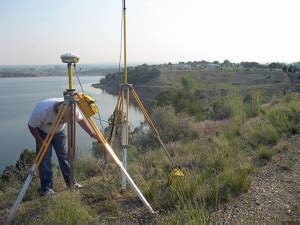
(70, 76)
(72, 144)
(125, 49)
(124, 156)
(125, 91)
(70, 101)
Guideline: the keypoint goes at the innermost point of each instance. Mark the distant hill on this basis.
(54, 70)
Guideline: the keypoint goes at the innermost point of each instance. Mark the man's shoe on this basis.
(78, 186)
(49, 192)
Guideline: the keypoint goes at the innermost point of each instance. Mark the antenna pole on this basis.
(125, 53)
(125, 98)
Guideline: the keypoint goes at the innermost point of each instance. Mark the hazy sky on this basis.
(39, 31)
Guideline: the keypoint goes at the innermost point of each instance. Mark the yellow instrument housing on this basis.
(87, 104)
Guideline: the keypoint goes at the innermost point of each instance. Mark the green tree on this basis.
(290, 69)
(284, 68)
(188, 83)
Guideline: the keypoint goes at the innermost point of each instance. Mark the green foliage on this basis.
(136, 75)
(252, 65)
(87, 168)
(285, 118)
(182, 102)
(284, 68)
(188, 213)
(265, 153)
(67, 209)
(220, 109)
(275, 65)
(188, 83)
(33, 190)
(258, 132)
(233, 183)
(172, 127)
(20, 170)
(292, 69)
(252, 108)
(238, 110)
(142, 74)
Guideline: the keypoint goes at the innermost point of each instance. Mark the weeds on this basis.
(65, 208)
(285, 118)
(259, 132)
(217, 169)
(265, 153)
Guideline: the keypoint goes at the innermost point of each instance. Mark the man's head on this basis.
(58, 107)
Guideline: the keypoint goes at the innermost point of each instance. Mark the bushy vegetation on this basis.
(265, 153)
(18, 172)
(136, 75)
(64, 208)
(182, 102)
(218, 166)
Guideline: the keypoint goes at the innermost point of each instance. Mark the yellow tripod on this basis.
(122, 111)
(85, 104)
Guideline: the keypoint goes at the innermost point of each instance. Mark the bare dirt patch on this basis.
(274, 195)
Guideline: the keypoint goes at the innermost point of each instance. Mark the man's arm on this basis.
(84, 125)
(36, 134)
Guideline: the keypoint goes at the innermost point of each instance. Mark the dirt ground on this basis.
(274, 195)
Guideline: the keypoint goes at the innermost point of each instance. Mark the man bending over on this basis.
(39, 124)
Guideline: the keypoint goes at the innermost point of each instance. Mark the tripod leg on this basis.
(147, 117)
(71, 139)
(101, 139)
(115, 121)
(124, 139)
(36, 164)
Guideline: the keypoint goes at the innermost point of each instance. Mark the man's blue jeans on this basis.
(58, 142)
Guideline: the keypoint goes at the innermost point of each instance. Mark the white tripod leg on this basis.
(124, 157)
(20, 196)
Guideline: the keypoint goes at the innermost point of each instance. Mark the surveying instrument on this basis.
(122, 111)
(87, 106)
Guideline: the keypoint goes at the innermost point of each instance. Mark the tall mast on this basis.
(125, 57)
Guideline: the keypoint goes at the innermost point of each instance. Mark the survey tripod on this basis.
(87, 106)
(121, 116)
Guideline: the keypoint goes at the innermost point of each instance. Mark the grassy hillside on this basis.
(217, 156)
(211, 83)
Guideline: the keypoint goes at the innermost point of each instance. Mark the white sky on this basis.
(38, 32)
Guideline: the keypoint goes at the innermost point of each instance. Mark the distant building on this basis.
(212, 66)
(184, 66)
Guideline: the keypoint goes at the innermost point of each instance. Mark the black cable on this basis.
(74, 65)
(100, 120)
(105, 121)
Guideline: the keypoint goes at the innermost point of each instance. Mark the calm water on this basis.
(18, 97)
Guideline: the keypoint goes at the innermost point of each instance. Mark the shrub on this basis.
(182, 102)
(87, 168)
(188, 213)
(237, 108)
(172, 127)
(285, 118)
(253, 106)
(220, 110)
(188, 83)
(19, 172)
(233, 183)
(66, 209)
(265, 153)
(258, 132)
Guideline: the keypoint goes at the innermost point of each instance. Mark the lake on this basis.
(18, 97)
